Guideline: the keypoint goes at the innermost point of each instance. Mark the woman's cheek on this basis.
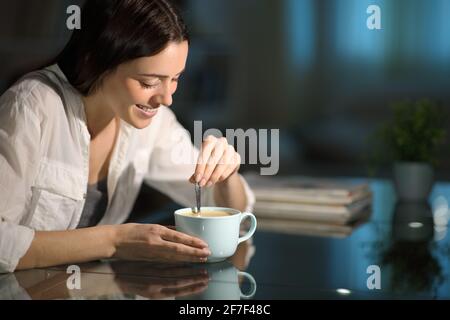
(133, 91)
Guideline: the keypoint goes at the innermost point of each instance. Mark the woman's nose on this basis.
(167, 99)
(165, 95)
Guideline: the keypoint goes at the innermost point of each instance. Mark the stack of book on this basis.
(314, 204)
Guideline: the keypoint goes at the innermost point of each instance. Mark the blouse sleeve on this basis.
(19, 150)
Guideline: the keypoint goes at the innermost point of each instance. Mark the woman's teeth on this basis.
(146, 109)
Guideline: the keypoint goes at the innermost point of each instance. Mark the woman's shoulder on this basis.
(32, 93)
(34, 87)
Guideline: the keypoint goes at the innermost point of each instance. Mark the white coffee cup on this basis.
(220, 233)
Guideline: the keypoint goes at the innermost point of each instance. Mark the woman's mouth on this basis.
(145, 111)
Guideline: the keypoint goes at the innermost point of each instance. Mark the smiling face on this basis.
(136, 89)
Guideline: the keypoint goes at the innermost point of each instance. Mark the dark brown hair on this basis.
(114, 32)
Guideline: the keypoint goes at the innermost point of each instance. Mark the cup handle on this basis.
(252, 283)
(252, 227)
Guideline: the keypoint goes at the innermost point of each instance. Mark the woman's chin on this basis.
(137, 122)
(141, 124)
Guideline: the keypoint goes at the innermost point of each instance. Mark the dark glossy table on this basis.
(408, 243)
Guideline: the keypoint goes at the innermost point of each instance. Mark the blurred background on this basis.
(310, 68)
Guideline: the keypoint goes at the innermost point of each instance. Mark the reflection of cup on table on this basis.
(224, 283)
(218, 227)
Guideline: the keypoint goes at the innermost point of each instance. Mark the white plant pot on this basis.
(413, 180)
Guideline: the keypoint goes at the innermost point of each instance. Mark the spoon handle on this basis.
(198, 193)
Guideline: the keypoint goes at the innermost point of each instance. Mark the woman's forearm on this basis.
(50, 248)
(231, 193)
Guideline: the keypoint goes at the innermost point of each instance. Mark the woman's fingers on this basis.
(232, 168)
(205, 152)
(175, 256)
(178, 246)
(211, 153)
(158, 243)
(174, 250)
(216, 162)
(225, 167)
(217, 174)
(179, 237)
(213, 162)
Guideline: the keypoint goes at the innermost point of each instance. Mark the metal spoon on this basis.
(198, 193)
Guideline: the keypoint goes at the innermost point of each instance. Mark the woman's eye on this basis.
(148, 86)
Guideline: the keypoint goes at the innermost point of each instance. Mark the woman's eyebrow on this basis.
(154, 75)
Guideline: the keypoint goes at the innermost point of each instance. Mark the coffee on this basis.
(208, 213)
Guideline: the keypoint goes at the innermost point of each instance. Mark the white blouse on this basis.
(44, 162)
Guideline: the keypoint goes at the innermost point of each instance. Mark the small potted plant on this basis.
(410, 141)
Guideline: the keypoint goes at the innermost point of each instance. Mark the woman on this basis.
(79, 137)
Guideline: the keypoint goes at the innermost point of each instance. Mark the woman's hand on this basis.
(153, 242)
(217, 161)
